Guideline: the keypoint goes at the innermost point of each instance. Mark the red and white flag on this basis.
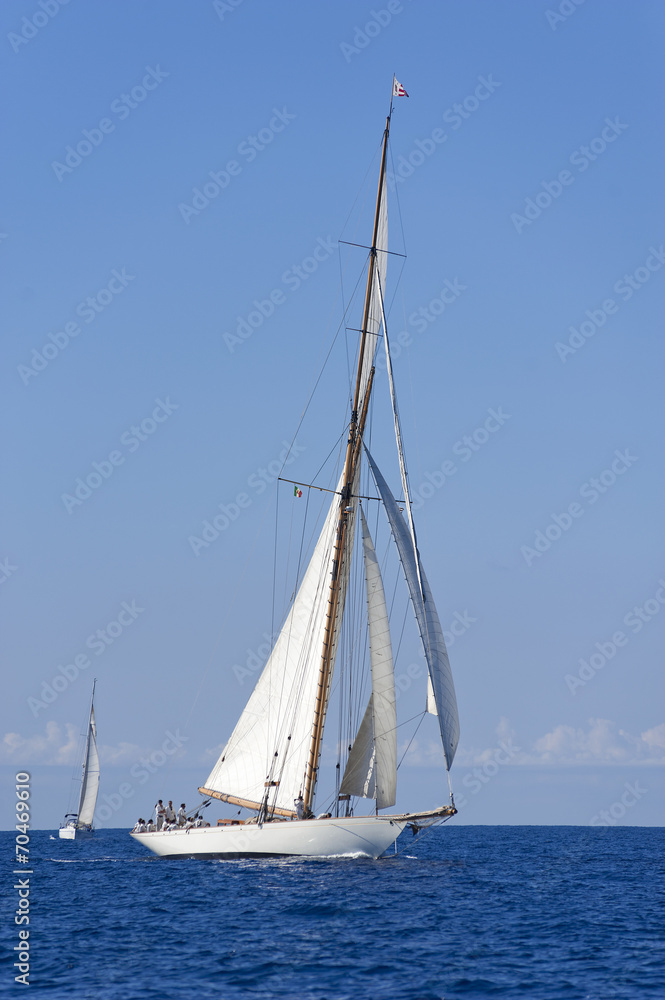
(398, 89)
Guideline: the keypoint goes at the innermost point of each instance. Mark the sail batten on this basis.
(371, 770)
(427, 617)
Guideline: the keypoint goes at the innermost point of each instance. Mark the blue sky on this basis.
(526, 193)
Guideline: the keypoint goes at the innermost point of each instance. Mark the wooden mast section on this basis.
(356, 429)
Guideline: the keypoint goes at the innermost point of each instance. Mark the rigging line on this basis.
(341, 287)
(401, 635)
(362, 246)
(364, 186)
(285, 603)
(336, 445)
(339, 444)
(236, 593)
(412, 738)
(399, 207)
(324, 489)
(423, 830)
(288, 642)
(421, 716)
(319, 376)
(274, 565)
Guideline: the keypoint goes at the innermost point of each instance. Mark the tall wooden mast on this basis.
(356, 429)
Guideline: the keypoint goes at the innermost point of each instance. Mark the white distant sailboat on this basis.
(270, 763)
(78, 825)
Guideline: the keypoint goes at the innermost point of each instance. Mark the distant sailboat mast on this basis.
(364, 379)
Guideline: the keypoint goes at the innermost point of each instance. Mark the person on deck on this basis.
(300, 806)
(160, 814)
(182, 815)
(170, 813)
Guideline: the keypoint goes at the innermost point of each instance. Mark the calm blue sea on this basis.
(541, 913)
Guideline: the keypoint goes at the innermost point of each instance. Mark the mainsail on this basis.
(90, 780)
(271, 740)
(371, 770)
(427, 617)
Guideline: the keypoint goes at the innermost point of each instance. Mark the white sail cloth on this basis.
(375, 307)
(371, 770)
(427, 617)
(273, 736)
(90, 781)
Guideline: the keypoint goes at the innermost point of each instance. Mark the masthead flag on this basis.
(398, 89)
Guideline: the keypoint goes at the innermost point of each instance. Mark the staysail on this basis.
(90, 781)
(271, 741)
(371, 770)
(428, 621)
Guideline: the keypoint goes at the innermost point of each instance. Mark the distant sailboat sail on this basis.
(79, 824)
(90, 782)
(371, 770)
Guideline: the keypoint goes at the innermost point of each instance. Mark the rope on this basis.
(412, 738)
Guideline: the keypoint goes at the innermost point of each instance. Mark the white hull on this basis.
(71, 833)
(315, 838)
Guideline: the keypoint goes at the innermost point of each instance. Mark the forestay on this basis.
(371, 770)
(428, 621)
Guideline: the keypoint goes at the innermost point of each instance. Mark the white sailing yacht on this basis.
(270, 763)
(78, 825)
